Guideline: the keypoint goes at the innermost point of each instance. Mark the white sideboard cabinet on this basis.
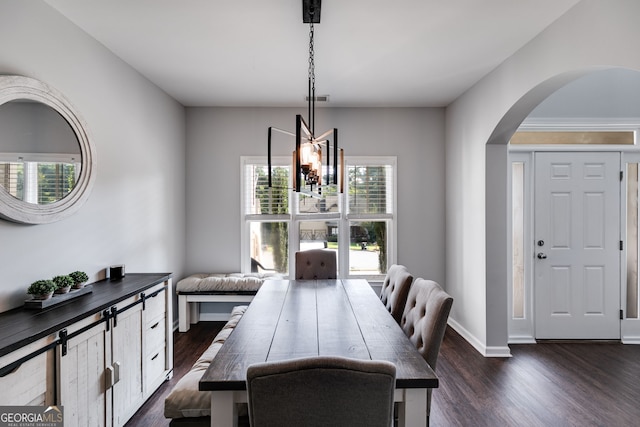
(108, 352)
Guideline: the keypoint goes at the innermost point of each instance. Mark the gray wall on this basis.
(217, 137)
(135, 214)
(611, 93)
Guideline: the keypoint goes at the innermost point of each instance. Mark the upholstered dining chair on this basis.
(395, 290)
(316, 264)
(424, 321)
(321, 392)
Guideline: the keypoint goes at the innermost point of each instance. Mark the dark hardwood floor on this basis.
(546, 384)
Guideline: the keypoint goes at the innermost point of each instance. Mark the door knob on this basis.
(542, 256)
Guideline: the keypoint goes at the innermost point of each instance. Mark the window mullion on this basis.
(267, 218)
(319, 216)
(365, 217)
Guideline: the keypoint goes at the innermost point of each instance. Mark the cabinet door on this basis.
(31, 383)
(127, 359)
(83, 380)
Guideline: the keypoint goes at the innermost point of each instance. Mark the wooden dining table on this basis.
(290, 319)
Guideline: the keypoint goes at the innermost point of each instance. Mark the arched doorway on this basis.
(598, 100)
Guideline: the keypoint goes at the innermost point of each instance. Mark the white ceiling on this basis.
(367, 52)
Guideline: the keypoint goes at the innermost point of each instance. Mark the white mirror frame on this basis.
(13, 209)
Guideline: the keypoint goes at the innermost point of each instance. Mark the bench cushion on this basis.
(223, 282)
(185, 400)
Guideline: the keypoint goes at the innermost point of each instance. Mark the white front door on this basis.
(577, 245)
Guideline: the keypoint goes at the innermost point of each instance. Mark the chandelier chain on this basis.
(312, 65)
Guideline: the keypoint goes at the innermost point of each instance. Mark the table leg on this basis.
(223, 409)
(412, 410)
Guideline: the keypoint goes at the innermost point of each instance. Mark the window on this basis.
(358, 224)
(517, 240)
(632, 260)
(371, 202)
(520, 290)
(266, 216)
(573, 138)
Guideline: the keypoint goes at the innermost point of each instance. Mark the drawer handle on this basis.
(155, 357)
(12, 371)
(156, 325)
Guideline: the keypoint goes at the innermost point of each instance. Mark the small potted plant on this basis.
(63, 284)
(79, 279)
(41, 289)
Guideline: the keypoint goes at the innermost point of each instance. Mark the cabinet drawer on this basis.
(155, 306)
(155, 366)
(28, 384)
(155, 335)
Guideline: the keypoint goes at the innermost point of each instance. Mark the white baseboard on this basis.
(630, 331)
(214, 317)
(493, 351)
(490, 351)
(522, 340)
(206, 317)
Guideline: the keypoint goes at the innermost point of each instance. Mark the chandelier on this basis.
(316, 158)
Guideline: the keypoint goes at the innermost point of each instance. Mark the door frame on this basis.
(522, 330)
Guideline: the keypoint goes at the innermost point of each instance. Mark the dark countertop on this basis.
(20, 326)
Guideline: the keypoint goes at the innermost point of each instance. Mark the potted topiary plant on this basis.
(63, 284)
(79, 279)
(41, 289)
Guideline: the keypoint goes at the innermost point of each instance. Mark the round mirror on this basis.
(46, 157)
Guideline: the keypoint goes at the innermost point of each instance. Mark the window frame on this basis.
(343, 218)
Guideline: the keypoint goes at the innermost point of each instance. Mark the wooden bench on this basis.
(186, 405)
(237, 288)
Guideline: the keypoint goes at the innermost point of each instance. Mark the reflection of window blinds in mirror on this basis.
(38, 182)
(573, 138)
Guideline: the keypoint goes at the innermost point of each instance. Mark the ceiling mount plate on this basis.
(311, 11)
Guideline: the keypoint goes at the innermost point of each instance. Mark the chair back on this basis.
(395, 290)
(321, 392)
(425, 316)
(424, 321)
(316, 264)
